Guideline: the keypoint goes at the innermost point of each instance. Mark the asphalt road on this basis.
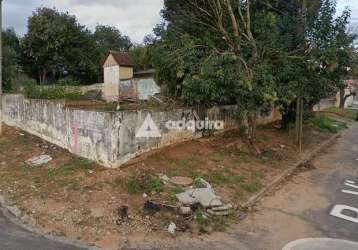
(301, 208)
(14, 237)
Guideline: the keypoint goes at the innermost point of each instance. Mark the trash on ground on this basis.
(151, 207)
(181, 181)
(172, 228)
(122, 214)
(164, 178)
(39, 160)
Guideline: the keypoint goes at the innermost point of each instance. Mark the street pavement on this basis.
(14, 237)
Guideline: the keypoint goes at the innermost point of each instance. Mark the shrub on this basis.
(68, 81)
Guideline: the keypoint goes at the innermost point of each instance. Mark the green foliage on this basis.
(68, 81)
(143, 56)
(53, 92)
(110, 38)
(139, 183)
(327, 124)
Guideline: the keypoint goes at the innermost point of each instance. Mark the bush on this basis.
(53, 92)
(68, 81)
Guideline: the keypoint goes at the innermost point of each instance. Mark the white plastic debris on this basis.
(38, 160)
(164, 178)
(145, 196)
(172, 228)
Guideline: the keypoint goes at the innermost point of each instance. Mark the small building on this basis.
(122, 83)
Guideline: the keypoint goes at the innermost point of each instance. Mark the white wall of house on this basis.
(111, 82)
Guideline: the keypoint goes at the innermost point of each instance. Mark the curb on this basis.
(14, 215)
(306, 158)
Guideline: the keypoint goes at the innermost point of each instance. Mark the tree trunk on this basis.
(342, 98)
(43, 76)
(252, 122)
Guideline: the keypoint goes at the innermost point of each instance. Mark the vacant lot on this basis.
(76, 198)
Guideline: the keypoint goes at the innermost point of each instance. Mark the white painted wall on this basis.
(147, 88)
(111, 83)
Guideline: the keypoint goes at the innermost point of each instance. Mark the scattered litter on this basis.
(151, 207)
(282, 146)
(145, 196)
(181, 181)
(38, 160)
(164, 178)
(21, 134)
(90, 171)
(122, 214)
(172, 228)
(184, 210)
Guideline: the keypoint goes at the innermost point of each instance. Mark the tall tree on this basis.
(10, 58)
(110, 38)
(56, 45)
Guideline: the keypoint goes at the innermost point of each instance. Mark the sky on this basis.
(135, 18)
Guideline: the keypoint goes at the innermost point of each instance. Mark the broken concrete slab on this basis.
(185, 210)
(38, 160)
(219, 213)
(223, 208)
(205, 196)
(182, 181)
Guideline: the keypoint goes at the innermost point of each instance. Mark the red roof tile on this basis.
(122, 58)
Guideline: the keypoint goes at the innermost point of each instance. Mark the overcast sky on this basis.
(135, 18)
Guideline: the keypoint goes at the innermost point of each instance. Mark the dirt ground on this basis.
(78, 199)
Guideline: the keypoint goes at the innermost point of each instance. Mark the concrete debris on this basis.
(205, 196)
(39, 160)
(219, 213)
(182, 181)
(172, 228)
(185, 210)
(223, 208)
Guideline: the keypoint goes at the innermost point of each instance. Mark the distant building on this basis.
(122, 83)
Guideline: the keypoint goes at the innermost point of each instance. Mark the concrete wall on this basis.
(108, 138)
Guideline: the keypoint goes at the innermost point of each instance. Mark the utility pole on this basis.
(1, 108)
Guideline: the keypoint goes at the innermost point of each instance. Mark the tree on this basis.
(224, 54)
(56, 46)
(110, 38)
(10, 50)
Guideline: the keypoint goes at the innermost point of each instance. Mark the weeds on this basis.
(327, 124)
(53, 92)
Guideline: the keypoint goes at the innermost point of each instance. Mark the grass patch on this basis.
(346, 113)
(327, 124)
(142, 182)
